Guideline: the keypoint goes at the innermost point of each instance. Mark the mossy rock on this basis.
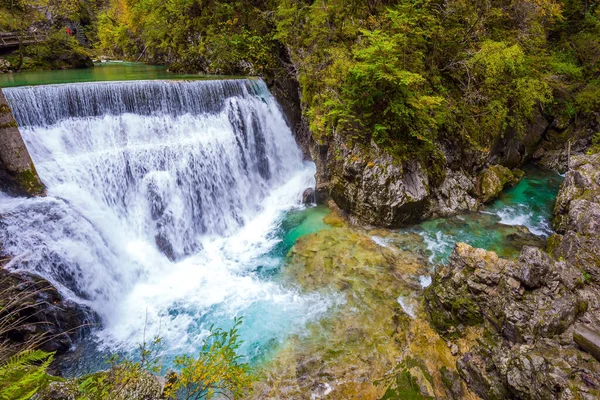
(494, 179)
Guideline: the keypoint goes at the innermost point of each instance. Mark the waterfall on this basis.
(163, 197)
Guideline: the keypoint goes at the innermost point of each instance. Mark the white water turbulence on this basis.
(162, 198)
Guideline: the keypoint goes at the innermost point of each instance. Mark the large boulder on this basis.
(477, 286)
(456, 193)
(492, 181)
(376, 188)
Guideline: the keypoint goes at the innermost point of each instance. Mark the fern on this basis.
(23, 374)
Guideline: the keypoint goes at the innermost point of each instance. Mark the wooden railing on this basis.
(11, 39)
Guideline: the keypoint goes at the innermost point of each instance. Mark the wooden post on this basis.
(569, 155)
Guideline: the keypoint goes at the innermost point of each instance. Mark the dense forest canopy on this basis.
(401, 73)
(406, 74)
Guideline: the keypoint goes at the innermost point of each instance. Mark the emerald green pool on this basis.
(106, 71)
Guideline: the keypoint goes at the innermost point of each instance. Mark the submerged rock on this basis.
(376, 342)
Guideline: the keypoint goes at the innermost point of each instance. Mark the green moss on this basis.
(30, 182)
(405, 386)
(467, 311)
(10, 124)
(4, 109)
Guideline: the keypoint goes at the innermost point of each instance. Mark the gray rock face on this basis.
(456, 193)
(577, 217)
(377, 189)
(477, 286)
(528, 309)
(553, 150)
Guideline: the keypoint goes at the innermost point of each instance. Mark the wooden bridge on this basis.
(11, 39)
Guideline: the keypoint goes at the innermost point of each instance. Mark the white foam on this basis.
(425, 281)
(383, 242)
(158, 221)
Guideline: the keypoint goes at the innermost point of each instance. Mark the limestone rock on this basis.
(587, 339)
(546, 371)
(376, 188)
(478, 286)
(577, 217)
(456, 193)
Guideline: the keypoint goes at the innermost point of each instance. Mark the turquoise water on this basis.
(520, 216)
(107, 71)
(255, 328)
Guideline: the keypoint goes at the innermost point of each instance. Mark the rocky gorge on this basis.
(534, 311)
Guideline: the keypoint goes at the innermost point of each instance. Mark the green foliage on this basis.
(595, 144)
(191, 35)
(399, 73)
(216, 370)
(23, 374)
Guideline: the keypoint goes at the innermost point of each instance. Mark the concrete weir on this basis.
(17, 172)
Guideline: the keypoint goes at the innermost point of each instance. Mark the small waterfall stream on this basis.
(163, 199)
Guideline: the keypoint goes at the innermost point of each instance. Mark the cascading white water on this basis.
(162, 198)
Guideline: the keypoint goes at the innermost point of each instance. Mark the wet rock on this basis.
(45, 312)
(370, 347)
(308, 196)
(494, 179)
